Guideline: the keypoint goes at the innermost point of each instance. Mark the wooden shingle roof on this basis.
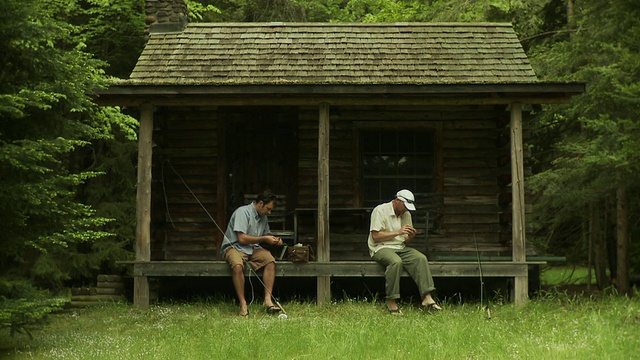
(340, 54)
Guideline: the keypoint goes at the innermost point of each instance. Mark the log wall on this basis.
(186, 148)
(472, 154)
(470, 144)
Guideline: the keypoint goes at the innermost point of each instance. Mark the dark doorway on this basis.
(261, 152)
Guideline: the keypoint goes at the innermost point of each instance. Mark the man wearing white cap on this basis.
(390, 230)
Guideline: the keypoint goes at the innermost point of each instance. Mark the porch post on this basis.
(323, 282)
(521, 288)
(143, 203)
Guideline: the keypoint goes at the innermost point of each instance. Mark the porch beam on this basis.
(311, 100)
(323, 282)
(521, 287)
(220, 268)
(143, 203)
(546, 90)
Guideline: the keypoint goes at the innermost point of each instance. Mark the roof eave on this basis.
(300, 94)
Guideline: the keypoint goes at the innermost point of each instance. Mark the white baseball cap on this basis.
(407, 198)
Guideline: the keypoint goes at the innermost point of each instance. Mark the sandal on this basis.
(272, 309)
(433, 307)
(395, 311)
(244, 315)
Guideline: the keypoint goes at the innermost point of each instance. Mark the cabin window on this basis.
(395, 159)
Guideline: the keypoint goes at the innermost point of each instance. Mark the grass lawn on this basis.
(566, 275)
(555, 326)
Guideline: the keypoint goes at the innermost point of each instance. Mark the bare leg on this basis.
(238, 284)
(269, 277)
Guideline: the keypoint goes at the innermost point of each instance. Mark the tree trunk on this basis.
(571, 19)
(599, 247)
(610, 237)
(588, 240)
(622, 235)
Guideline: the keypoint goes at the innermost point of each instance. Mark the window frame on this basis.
(434, 128)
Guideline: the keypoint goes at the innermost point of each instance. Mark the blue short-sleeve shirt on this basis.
(245, 220)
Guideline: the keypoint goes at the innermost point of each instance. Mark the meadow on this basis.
(555, 325)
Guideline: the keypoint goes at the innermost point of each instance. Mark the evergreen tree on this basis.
(596, 161)
(47, 118)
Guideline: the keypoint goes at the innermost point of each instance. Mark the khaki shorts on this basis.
(259, 259)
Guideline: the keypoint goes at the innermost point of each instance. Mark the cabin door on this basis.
(261, 146)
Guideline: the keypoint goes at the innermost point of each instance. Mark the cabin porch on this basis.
(463, 217)
(318, 134)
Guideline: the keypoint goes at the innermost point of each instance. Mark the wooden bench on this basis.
(332, 268)
(483, 259)
(142, 270)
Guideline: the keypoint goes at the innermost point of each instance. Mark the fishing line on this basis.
(224, 235)
(482, 285)
(265, 286)
(194, 195)
(166, 199)
(251, 285)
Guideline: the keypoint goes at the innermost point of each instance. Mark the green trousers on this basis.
(410, 259)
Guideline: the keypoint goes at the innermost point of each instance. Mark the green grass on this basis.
(566, 275)
(555, 326)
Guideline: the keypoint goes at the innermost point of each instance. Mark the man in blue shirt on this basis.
(248, 227)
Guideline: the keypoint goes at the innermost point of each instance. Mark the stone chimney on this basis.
(165, 16)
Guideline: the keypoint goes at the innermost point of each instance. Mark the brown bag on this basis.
(300, 253)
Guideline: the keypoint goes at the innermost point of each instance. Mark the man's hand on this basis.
(273, 240)
(382, 236)
(407, 230)
(266, 239)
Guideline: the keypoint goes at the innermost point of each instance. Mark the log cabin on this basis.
(334, 118)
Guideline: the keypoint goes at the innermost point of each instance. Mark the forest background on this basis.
(67, 166)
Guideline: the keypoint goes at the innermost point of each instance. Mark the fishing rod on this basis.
(483, 288)
(482, 285)
(284, 313)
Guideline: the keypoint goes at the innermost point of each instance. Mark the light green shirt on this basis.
(383, 218)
